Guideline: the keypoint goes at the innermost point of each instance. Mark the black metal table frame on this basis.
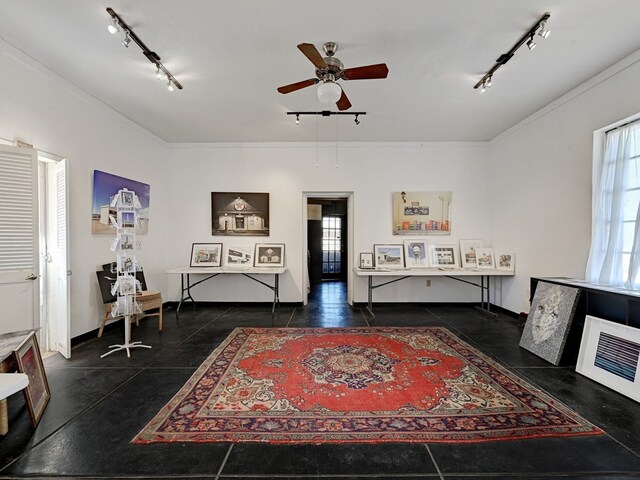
(485, 305)
(275, 288)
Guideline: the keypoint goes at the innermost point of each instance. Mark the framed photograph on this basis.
(416, 254)
(366, 260)
(505, 260)
(239, 213)
(610, 355)
(388, 256)
(127, 219)
(269, 255)
(206, 255)
(420, 213)
(238, 256)
(468, 252)
(107, 191)
(550, 316)
(485, 258)
(126, 198)
(126, 263)
(444, 256)
(37, 393)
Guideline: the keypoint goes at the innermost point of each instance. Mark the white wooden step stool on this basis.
(10, 383)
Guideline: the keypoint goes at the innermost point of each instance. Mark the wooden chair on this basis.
(10, 383)
(149, 300)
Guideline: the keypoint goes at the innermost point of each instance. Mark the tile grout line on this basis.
(291, 317)
(433, 459)
(224, 462)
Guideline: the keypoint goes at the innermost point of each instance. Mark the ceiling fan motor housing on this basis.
(334, 67)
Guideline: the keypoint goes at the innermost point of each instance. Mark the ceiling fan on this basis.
(329, 70)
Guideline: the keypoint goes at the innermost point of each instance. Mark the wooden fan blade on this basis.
(343, 102)
(311, 52)
(379, 70)
(297, 86)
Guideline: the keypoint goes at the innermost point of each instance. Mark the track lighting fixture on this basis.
(327, 113)
(127, 39)
(117, 24)
(531, 44)
(540, 27)
(113, 27)
(543, 32)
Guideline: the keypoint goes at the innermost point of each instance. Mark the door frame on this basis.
(349, 247)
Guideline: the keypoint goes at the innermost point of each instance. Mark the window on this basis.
(331, 244)
(614, 258)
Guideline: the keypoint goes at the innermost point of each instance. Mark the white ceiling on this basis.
(231, 55)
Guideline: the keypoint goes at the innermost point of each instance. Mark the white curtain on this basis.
(619, 176)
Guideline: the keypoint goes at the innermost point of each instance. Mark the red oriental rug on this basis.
(373, 385)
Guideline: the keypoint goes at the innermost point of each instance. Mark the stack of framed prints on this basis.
(237, 256)
(610, 355)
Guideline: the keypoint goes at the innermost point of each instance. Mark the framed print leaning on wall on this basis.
(206, 255)
(37, 393)
(610, 355)
(485, 258)
(388, 256)
(468, 252)
(269, 255)
(416, 254)
(444, 256)
(238, 256)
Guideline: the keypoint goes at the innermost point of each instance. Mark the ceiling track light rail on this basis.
(328, 113)
(540, 27)
(153, 57)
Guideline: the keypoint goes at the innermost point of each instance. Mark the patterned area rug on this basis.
(374, 385)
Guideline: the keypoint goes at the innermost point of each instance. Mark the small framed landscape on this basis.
(416, 254)
(610, 355)
(444, 256)
(37, 393)
(269, 255)
(238, 256)
(388, 256)
(206, 255)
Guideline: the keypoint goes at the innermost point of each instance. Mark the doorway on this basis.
(328, 248)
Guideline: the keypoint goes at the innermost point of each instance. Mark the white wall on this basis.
(39, 108)
(371, 171)
(541, 179)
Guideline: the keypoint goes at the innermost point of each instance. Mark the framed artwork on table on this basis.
(366, 260)
(206, 255)
(37, 393)
(485, 258)
(238, 256)
(505, 260)
(444, 256)
(388, 256)
(468, 252)
(416, 254)
(610, 355)
(269, 255)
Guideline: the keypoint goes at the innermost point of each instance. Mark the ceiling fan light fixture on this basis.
(329, 92)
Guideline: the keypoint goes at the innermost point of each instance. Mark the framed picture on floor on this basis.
(269, 255)
(37, 393)
(610, 355)
(444, 256)
(388, 256)
(206, 255)
(468, 252)
(416, 254)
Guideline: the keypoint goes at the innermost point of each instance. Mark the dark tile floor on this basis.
(98, 405)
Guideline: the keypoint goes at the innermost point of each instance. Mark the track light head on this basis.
(159, 74)
(170, 86)
(113, 27)
(488, 83)
(356, 121)
(543, 32)
(483, 88)
(127, 39)
(297, 119)
(530, 43)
